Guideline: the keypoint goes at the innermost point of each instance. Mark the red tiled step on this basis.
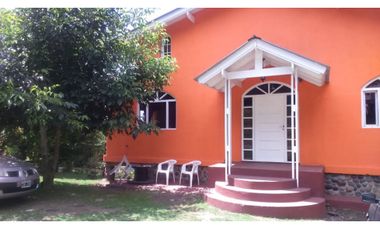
(311, 208)
(257, 182)
(279, 195)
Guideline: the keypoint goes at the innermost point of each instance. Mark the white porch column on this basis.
(292, 120)
(297, 129)
(294, 125)
(227, 127)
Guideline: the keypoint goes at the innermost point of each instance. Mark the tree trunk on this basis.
(57, 145)
(49, 163)
(44, 148)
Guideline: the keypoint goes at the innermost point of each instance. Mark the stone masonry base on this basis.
(351, 185)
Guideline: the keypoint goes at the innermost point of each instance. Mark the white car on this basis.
(17, 177)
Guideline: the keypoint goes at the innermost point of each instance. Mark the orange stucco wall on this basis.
(330, 116)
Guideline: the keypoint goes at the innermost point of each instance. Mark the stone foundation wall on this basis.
(351, 185)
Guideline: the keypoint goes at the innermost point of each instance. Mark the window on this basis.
(161, 111)
(166, 47)
(370, 104)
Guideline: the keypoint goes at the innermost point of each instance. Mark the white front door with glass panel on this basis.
(266, 123)
(269, 128)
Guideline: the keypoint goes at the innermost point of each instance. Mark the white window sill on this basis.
(371, 127)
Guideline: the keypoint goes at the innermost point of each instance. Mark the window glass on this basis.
(160, 95)
(374, 84)
(172, 114)
(247, 144)
(247, 112)
(247, 123)
(283, 89)
(248, 155)
(264, 87)
(167, 97)
(166, 49)
(255, 91)
(288, 111)
(142, 110)
(273, 87)
(370, 108)
(161, 111)
(157, 114)
(370, 104)
(248, 101)
(247, 133)
(289, 133)
(289, 156)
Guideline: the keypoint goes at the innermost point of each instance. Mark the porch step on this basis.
(272, 171)
(309, 208)
(259, 182)
(278, 195)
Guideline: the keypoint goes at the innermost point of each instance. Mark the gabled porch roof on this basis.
(259, 58)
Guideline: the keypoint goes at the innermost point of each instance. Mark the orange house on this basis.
(230, 101)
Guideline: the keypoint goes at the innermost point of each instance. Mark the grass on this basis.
(77, 198)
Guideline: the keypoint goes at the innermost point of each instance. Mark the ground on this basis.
(338, 214)
(78, 198)
(175, 194)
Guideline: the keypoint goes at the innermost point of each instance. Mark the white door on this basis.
(269, 128)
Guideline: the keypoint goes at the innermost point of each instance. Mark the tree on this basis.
(84, 69)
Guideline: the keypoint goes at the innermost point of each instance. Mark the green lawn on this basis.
(77, 198)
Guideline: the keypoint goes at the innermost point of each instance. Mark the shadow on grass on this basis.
(75, 197)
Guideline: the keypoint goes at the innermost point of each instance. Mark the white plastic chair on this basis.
(191, 172)
(170, 169)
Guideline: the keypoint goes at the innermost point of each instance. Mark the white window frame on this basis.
(164, 45)
(375, 90)
(160, 100)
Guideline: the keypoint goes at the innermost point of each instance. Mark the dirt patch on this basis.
(163, 194)
(339, 214)
(34, 207)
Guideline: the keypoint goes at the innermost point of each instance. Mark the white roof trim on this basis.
(309, 70)
(175, 16)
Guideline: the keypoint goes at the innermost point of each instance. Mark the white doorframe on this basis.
(252, 127)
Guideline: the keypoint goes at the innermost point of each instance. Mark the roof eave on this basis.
(174, 16)
(320, 71)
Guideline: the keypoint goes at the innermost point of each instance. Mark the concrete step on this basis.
(260, 182)
(270, 171)
(279, 195)
(311, 208)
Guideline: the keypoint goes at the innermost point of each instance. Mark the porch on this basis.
(310, 176)
(267, 189)
(270, 133)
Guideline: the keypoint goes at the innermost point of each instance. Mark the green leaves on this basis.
(83, 67)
